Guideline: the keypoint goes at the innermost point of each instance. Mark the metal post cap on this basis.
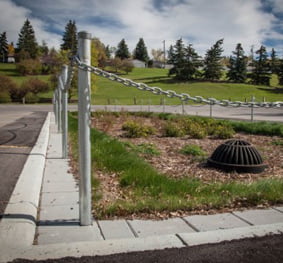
(84, 35)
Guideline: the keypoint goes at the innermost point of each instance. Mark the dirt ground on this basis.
(268, 249)
(174, 164)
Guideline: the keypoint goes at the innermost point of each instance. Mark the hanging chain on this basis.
(171, 93)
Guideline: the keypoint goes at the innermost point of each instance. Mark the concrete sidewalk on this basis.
(57, 232)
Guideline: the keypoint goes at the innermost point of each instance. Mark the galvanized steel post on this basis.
(59, 109)
(65, 113)
(84, 46)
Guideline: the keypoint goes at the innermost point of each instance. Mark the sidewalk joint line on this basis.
(182, 240)
(100, 229)
(190, 225)
(274, 208)
(244, 220)
(132, 229)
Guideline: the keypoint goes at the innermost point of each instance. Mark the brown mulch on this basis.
(173, 164)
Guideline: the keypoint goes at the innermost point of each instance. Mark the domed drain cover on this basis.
(237, 155)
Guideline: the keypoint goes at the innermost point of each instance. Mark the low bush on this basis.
(173, 129)
(135, 130)
(5, 97)
(31, 98)
(29, 67)
(35, 85)
(6, 84)
(192, 149)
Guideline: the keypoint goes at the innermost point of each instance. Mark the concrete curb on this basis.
(107, 247)
(18, 225)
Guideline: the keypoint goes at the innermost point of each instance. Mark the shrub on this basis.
(6, 84)
(35, 85)
(29, 67)
(173, 129)
(31, 98)
(136, 130)
(223, 132)
(197, 131)
(192, 149)
(5, 97)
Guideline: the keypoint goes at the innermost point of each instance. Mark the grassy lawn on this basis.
(109, 92)
(146, 190)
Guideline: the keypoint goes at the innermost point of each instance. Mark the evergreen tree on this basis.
(280, 71)
(261, 72)
(274, 61)
(238, 65)
(122, 51)
(108, 52)
(177, 59)
(70, 40)
(212, 62)
(192, 64)
(140, 51)
(3, 47)
(170, 54)
(27, 41)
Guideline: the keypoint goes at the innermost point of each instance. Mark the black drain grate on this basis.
(237, 155)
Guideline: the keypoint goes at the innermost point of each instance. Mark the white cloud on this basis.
(200, 22)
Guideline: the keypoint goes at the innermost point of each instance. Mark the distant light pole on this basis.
(164, 52)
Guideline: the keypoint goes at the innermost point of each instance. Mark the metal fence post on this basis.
(84, 44)
(64, 113)
(59, 109)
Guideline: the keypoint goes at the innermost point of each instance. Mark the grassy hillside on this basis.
(109, 92)
(113, 92)
(9, 70)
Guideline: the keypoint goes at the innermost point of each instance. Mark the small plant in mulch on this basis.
(136, 130)
(147, 149)
(195, 151)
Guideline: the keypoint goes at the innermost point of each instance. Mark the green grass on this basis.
(115, 93)
(149, 191)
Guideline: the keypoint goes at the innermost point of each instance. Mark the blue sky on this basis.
(200, 22)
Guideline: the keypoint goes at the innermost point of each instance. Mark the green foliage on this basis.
(277, 142)
(5, 97)
(212, 61)
(140, 51)
(238, 66)
(27, 41)
(70, 41)
(135, 130)
(223, 132)
(31, 98)
(192, 149)
(29, 67)
(122, 51)
(173, 129)
(261, 128)
(35, 86)
(260, 74)
(148, 149)
(3, 47)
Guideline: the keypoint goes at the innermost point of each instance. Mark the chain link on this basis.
(170, 93)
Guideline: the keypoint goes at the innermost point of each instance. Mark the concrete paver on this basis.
(214, 222)
(280, 208)
(63, 198)
(261, 216)
(115, 229)
(67, 232)
(62, 212)
(144, 228)
(49, 187)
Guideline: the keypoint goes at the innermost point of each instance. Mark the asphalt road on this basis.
(17, 137)
(260, 250)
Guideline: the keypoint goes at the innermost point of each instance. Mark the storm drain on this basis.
(237, 155)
